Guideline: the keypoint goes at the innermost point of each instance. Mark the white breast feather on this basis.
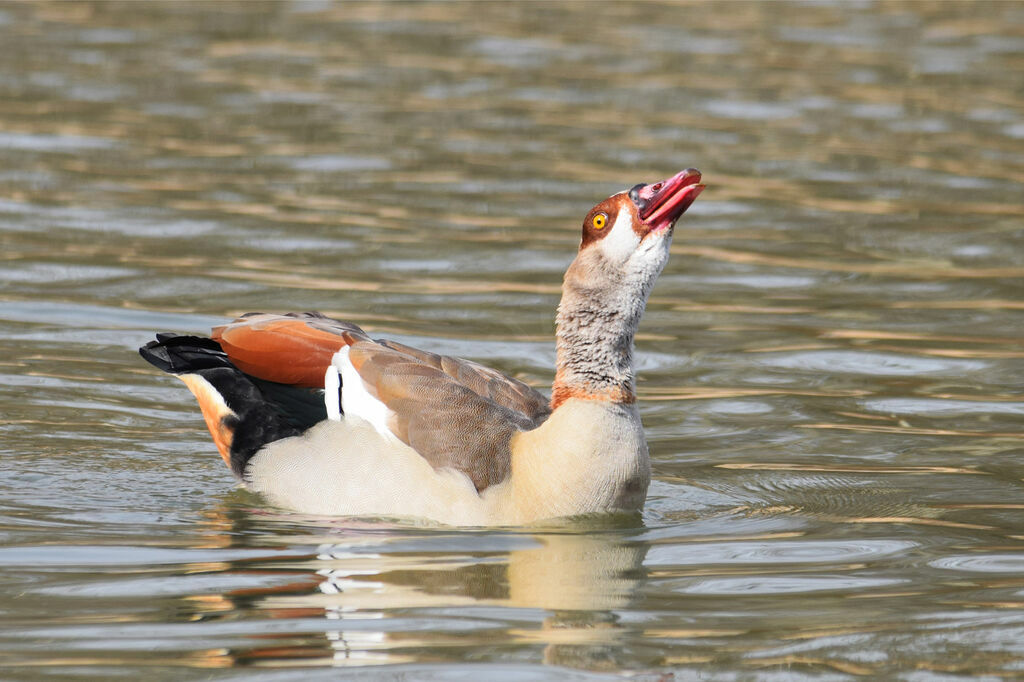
(356, 400)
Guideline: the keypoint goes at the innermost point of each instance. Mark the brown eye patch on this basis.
(599, 221)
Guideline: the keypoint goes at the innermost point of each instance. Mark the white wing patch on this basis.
(355, 399)
(332, 393)
(621, 242)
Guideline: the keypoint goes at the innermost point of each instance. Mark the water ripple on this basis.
(775, 552)
(796, 584)
(982, 563)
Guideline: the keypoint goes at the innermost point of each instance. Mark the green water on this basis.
(831, 365)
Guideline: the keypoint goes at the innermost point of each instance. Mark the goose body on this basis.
(318, 417)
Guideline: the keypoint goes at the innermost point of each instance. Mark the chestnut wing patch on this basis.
(294, 349)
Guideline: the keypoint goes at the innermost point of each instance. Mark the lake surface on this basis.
(831, 365)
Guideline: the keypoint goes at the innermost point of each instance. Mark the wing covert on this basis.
(455, 413)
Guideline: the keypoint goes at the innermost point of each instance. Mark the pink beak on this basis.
(661, 204)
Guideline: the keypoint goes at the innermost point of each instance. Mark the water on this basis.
(831, 364)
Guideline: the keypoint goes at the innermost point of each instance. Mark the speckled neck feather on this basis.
(597, 319)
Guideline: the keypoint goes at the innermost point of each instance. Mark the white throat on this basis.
(621, 242)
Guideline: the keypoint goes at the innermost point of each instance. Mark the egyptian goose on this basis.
(319, 418)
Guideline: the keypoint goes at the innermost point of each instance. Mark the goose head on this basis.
(626, 237)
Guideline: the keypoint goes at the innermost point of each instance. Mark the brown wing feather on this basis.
(449, 423)
(484, 381)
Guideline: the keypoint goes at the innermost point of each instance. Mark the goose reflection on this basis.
(371, 593)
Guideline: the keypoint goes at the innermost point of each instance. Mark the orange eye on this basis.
(599, 221)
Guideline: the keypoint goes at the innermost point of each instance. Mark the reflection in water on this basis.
(364, 599)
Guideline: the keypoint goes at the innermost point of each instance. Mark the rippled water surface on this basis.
(831, 364)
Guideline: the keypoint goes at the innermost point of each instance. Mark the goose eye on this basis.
(599, 221)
